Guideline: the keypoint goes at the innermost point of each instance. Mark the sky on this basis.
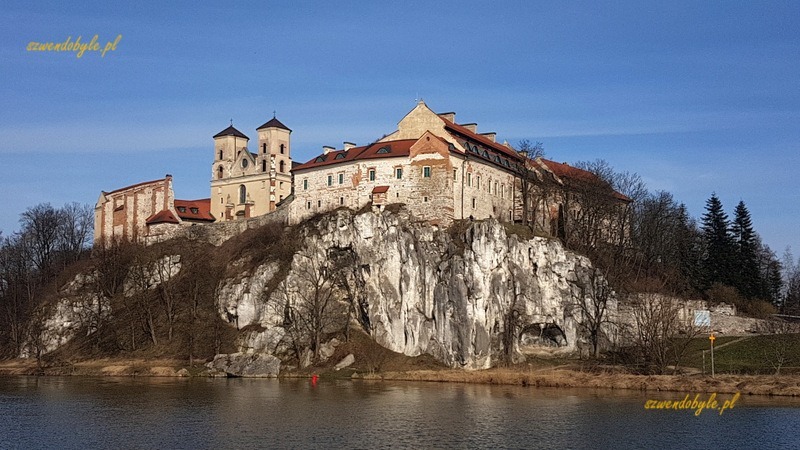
(695, 97)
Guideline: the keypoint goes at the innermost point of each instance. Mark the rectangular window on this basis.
(330, 180)
(398, 173)
(305, 184)
(319, 203)
(341, 178)
(469, 179)
(371, 174)
(425, 199)
(341, 200)
(478, 181)
(308, 205)
(473, 203)
(455, 174)
(495, 188)
(426, 172)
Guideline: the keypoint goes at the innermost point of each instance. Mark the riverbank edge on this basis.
(766, 385)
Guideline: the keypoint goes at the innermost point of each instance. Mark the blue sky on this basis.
(696, 97)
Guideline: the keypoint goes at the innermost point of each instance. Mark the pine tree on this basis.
(748, 279)
(719, 259)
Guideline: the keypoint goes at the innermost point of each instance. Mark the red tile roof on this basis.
(483, 140)
(564, 170)
(389, 149)
(186, 210)
(163, 216)
(380, 189)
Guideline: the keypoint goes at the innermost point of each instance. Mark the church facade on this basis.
(246, 184)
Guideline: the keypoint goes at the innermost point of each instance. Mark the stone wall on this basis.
(122, 214)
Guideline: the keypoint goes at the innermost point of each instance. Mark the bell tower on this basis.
(274, 151)
(228, 145)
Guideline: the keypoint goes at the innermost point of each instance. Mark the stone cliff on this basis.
(470, 296)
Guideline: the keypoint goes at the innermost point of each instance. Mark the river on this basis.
(75, 412)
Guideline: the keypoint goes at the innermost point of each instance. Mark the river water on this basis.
(74, 412)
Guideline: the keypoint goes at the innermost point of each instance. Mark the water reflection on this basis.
(240, 413)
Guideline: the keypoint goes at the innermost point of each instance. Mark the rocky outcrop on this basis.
(253, 365)
(471, 295)
(468, 298)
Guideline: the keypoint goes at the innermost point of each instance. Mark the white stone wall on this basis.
(313, 195)
(487, 190)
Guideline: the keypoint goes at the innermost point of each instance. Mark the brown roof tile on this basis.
(163, 216)
(377, 150)
(199, 210)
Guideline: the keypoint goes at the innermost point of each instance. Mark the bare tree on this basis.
(534, 186)
(312, 308)
(660, 333)
(41, 225)
(77, 221)
(593, 309)
(779, 353)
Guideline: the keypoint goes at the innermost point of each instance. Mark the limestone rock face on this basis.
(418, 289)
(256, 365)
(78, 309)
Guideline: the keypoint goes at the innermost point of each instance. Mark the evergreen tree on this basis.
(690, 244)
(719, 258)
(775, 283)
(748, 279)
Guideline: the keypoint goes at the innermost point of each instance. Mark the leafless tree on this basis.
(660, 333)
(310, 297)
(592, 308)
(780, 352)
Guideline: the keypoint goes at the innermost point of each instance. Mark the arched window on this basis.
(281, 167)
(264, 148)
(282, 148)
(219, 172)
(242, 193)
(264, 165)
(220, 154)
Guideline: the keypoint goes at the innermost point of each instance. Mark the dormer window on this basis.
(182, 209)
(340, 155)
(194, 210)
(384, 150)
(320, 158)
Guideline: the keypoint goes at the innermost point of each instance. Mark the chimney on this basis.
(471, 127)
(451, 116)
(491, 136)
(348, 145)
(327, 149)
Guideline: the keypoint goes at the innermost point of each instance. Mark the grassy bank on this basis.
(556, 377)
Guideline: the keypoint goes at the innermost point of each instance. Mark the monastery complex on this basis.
(439, 169)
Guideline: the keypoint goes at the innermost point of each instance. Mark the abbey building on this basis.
(439, 169)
